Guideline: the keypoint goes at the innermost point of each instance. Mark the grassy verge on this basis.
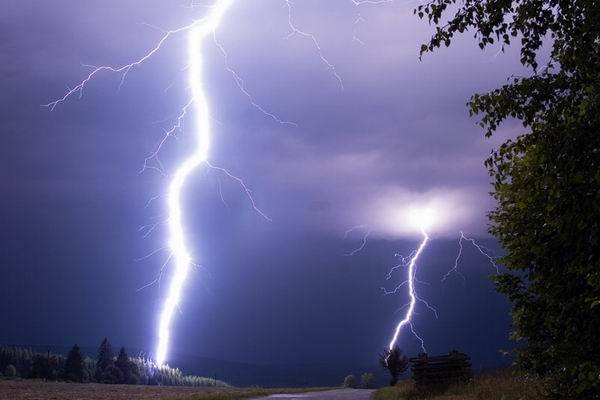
(504, 386)
(234, 394)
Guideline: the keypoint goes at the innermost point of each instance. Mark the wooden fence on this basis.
(439, 372)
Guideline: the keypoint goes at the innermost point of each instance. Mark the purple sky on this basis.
(398, 134)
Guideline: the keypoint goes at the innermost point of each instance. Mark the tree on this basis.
(20, 358)
(74, 365)
(123, 363)
(104, 359)
(367, 379)
(40, 367)
(547, 180)
(350, 381)
(395, 363)
(46, 366)
(127, 367)
(133, 378)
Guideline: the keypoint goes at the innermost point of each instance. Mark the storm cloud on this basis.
(395, 136)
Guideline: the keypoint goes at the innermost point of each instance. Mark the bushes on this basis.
(20, 358)
(10, 371)
(350, 381)
(110, 374)
(46, 366)
(367, 380)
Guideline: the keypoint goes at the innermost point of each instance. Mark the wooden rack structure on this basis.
(439, 372)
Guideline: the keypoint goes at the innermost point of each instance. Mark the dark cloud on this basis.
(396, 135)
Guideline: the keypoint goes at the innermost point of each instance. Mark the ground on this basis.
(39, 390)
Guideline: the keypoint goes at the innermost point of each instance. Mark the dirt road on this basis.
(337, 394)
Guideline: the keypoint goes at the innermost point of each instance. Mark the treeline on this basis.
(19, 362)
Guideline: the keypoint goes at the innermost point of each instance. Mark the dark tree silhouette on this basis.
(395, 362)
(27, 364)
(111, 375)
(123, 363)
(74, 365)
(129, 369)
(104, 360)
(45, 366)
(40, 367)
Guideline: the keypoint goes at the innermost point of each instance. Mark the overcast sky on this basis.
(395, 136)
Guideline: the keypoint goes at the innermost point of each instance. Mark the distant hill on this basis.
(275, 375)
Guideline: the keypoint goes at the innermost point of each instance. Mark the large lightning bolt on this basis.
(198, 31)
(196, 36)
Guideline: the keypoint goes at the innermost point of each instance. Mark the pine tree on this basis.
(123, 364)
(74, 365)
(104, 359)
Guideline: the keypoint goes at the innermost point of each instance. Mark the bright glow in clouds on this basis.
(421, 218)
(399, 213)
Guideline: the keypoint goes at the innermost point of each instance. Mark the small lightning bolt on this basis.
(480, 248)
(412, 293)
(422, 218)
(365, 238)
(295, 31)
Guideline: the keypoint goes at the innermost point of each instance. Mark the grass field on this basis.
(501, 386)
(39, 390)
